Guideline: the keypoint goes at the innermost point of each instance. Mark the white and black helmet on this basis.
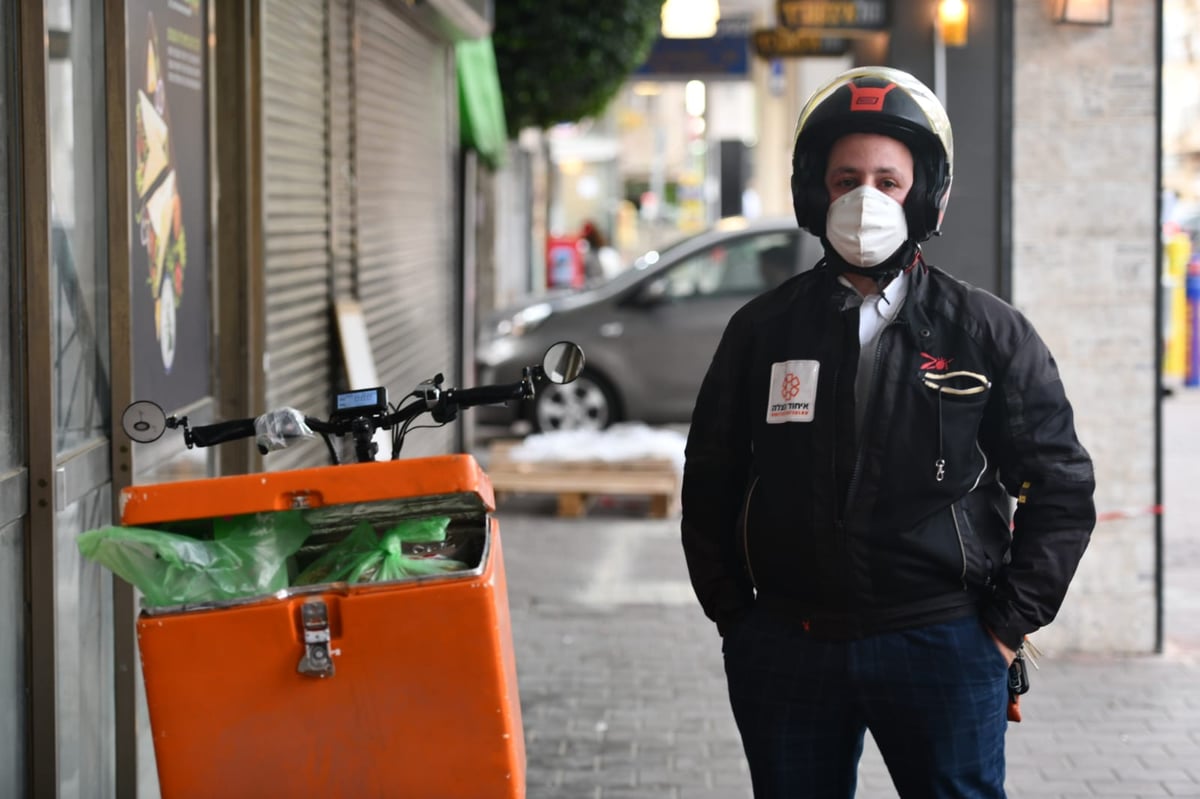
(879, 100)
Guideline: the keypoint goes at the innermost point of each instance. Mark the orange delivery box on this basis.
(404, 687)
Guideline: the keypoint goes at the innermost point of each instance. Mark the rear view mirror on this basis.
(144, 421)
(563, 362)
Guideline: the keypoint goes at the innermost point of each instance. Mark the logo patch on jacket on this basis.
(793, 394)
(936, 362)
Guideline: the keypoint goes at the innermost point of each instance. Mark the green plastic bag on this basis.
(363, 556)
(246, 557)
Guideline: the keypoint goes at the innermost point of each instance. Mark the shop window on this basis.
(78, 242)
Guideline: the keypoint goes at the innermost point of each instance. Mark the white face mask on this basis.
(866, 226)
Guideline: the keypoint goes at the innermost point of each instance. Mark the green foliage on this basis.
(563, 60)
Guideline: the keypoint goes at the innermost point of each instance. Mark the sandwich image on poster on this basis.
(152, 152)
(160, 213)
(156, 187)
(153, 76)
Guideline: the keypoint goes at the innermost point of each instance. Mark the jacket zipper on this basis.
(962, 546)
(939, 465)
(862, 438)
(746, 533)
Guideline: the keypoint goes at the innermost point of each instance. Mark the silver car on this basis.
(649, 333)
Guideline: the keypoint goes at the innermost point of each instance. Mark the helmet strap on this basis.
(882, 273)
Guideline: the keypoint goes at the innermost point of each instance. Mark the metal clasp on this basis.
(314, 623)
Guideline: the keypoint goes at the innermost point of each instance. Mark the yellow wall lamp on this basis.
(952, 22)
(1084, 12)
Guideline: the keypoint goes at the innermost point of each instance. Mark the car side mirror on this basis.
(652, 292)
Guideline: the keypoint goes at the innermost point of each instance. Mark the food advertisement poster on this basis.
(169, 160)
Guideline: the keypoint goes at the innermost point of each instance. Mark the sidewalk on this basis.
(623, 690)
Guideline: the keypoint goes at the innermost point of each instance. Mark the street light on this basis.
(949, 30)
(952, 22)
(690, 19)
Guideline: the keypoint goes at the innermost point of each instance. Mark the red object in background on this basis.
(564, 262)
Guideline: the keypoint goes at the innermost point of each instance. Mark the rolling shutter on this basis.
(358, 141)
(341, 145)
(296, 215)
(404, 207)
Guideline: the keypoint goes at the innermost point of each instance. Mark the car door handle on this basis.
(612, 330)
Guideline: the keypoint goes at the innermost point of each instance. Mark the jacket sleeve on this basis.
(1043, 465)
(715, 475)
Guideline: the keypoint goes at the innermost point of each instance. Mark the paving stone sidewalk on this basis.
(623, 692)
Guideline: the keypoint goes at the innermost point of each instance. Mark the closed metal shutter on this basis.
(404, 207)
(358, 136)
(341, 145)
(296, 211)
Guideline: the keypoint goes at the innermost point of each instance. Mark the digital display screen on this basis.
(363, 399)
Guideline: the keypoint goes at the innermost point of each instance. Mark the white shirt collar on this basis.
(894, 292)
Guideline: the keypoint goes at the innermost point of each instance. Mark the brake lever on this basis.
(430, 391)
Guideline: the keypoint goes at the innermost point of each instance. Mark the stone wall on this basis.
(1084, 240)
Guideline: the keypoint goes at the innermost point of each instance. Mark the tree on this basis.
(563, 60)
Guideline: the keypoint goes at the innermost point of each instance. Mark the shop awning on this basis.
(481, 108)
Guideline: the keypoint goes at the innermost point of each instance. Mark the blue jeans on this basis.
(934, 699)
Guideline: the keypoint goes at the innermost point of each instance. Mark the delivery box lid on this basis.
(440, 475)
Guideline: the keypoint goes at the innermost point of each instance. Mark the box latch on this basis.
(314, 623)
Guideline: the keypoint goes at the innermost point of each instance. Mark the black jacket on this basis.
(909, 524)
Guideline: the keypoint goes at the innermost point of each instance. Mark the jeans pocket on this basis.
(996, 657)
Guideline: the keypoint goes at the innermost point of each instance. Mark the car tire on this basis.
(586, 403)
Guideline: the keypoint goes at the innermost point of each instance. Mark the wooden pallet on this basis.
(574, 482)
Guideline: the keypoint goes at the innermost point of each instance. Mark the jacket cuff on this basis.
(727, 623)
(1009, 628)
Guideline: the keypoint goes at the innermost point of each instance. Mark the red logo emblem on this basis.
(935, 362)
(868, 98)
(790, 387)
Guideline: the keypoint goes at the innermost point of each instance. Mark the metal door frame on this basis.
(34, 273)
(54, 483)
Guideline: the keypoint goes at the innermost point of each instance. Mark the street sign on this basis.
(852, 15)
(788, 43)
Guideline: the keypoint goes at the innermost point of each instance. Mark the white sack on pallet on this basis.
(622, 442)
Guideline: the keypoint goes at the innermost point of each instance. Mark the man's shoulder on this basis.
(979, 311)
(806, 287)
(946, 287)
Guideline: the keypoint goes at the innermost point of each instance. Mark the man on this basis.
(856, 440)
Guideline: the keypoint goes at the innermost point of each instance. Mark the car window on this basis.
(742, 266)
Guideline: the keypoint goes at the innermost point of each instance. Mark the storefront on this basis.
(189, 190)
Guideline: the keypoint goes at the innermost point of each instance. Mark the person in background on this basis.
(852, 461)
(600, 260)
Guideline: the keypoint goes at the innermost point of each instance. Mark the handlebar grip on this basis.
(210, 434)
(488, 395)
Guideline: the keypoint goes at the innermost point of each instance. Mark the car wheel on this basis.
(583, 404)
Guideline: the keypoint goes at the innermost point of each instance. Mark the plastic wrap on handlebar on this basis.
(209, 434)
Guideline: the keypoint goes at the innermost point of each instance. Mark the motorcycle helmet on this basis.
(875, 100)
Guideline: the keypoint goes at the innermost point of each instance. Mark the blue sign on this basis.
(720, 56)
